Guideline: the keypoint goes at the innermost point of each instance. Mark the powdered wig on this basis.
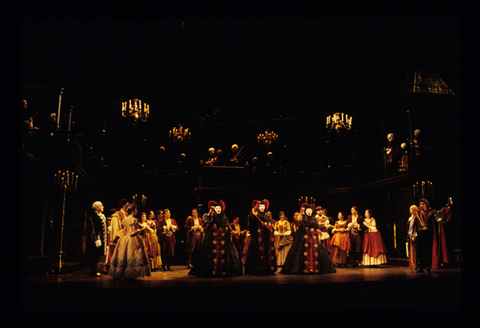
(96, 204)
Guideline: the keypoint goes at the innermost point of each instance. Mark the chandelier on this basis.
(136, 110)
(338, 122)
(180, 134)
(267, 138)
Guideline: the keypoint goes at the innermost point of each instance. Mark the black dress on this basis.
(217, 256)
(260, 258)
(307, 254)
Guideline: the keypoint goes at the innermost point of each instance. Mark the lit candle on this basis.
(76, 180)
(342, 116)
(413, 191)
(423, 188)
(130, 104)
(350, 123)
(54, 178)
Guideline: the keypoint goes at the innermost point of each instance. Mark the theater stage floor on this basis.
(386, 287)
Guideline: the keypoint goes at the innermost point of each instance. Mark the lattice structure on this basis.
(428, 82)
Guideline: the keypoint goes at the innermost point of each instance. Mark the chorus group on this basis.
(129, 244)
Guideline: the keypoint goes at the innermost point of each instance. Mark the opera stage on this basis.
(386, 287)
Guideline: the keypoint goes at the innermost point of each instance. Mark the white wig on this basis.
(96, 204)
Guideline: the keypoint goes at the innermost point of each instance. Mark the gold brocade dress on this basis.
(283, 243)
(340, 244)
(130, 258)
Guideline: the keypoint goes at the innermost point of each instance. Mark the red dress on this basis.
(374, 250)
(340, 244)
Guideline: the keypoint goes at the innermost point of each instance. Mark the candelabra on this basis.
(422, 189)
(303, 200)
(267, 138)
(180, 134)
(64, 181)
(139, 200)
(339, 121)
(136, 110)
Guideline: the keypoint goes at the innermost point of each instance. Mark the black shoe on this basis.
(418, 270)
(427, 269)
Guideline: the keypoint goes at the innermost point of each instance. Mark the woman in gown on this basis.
(217, 256)
(374, 250)
(340, 242)
(130, 259)
(260, 259)
(324, 225)
(155, 249)
(283, 239)
(307, 254)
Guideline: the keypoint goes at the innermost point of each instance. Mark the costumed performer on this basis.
(307, 254)
(260, 258)
(216, 257)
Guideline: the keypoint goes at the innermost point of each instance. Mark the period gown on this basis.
(154, 248)
(374, 250)
(260, 257)
(130, 258)
(340, 244)
(307, 254)
(283, 240)
(324, 224)
(217, 256)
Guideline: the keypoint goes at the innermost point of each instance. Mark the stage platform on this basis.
(385, 287)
